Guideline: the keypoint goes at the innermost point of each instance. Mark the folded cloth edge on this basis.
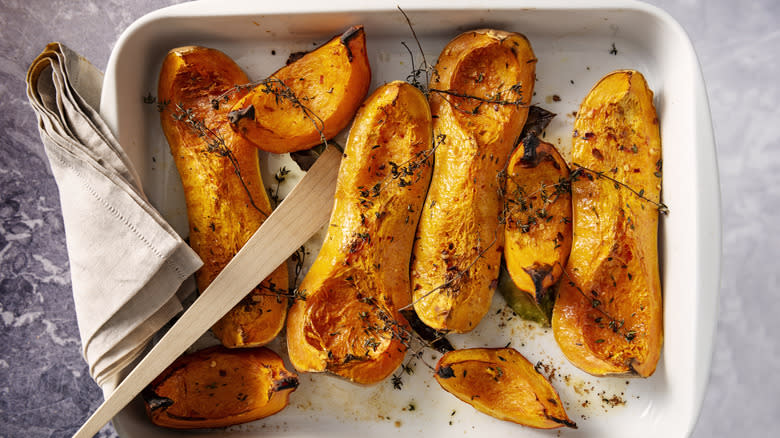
(179, 261)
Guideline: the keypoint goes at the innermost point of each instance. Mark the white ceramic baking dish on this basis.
(576, 43)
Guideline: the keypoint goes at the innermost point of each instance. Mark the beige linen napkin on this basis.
(126, 262)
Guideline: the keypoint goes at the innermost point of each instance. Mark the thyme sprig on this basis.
(496, 99)
(662, 208)
(453, 276)
(427, 71)
(273, 291)
(299, 257)
(522, 202)
(424, 68)
(273, 193)
(281, 92)
(616, 325)
(215, 142)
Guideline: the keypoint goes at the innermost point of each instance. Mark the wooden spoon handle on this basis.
(302, 213)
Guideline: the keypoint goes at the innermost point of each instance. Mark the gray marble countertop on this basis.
(45, 389)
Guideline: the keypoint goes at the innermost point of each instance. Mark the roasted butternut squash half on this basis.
(503, 384)
(223, 190)
(219, 387)
(350, 322)
(608, 318)
(537, 235)
(310, 99)
(479, 93)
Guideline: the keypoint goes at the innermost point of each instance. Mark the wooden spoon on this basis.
(304, 211)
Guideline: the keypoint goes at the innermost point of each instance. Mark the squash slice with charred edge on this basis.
(309, 100)
(522, 303)
(223, 190)
(349, 322)
(608, 318)
(537, 235)
(483, 82)
(218, 387)
(503, 384)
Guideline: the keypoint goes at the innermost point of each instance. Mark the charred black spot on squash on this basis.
(565, 422)
(538, 272)
(245, 113)
(347, 36)
(294, 56)
(538, 119)
(290, 382)
(155, 401)
(445, 372)
(435, 338)
(530, 157)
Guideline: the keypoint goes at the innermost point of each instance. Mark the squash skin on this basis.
(219, 387)
(330, 81)
(219, 208)
(608, 318)
(350, 322)
(460, 238)
(538, 231)
(503, 384)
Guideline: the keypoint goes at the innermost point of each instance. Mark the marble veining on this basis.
(45, 389)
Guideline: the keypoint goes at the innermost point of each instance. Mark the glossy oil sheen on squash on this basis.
(311, 99)
(503, 384)
(350, 322)
(218, 387)
(483, 81)
(224, 193)
(608, 318)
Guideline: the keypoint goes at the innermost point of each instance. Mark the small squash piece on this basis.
(608, 318)
(218, 387)
(349, 322)
(503, 384)
(479, 94)
(223, 190)
(310, 99)
(537, 235)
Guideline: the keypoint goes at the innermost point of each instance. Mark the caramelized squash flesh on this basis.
(350, 322)
(219, 387)
(537, 236)
(503, 384)
(224, 193)
(608, 318)
(311, 99)
(479, 94)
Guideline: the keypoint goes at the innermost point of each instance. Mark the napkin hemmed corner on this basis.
(127, 263)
